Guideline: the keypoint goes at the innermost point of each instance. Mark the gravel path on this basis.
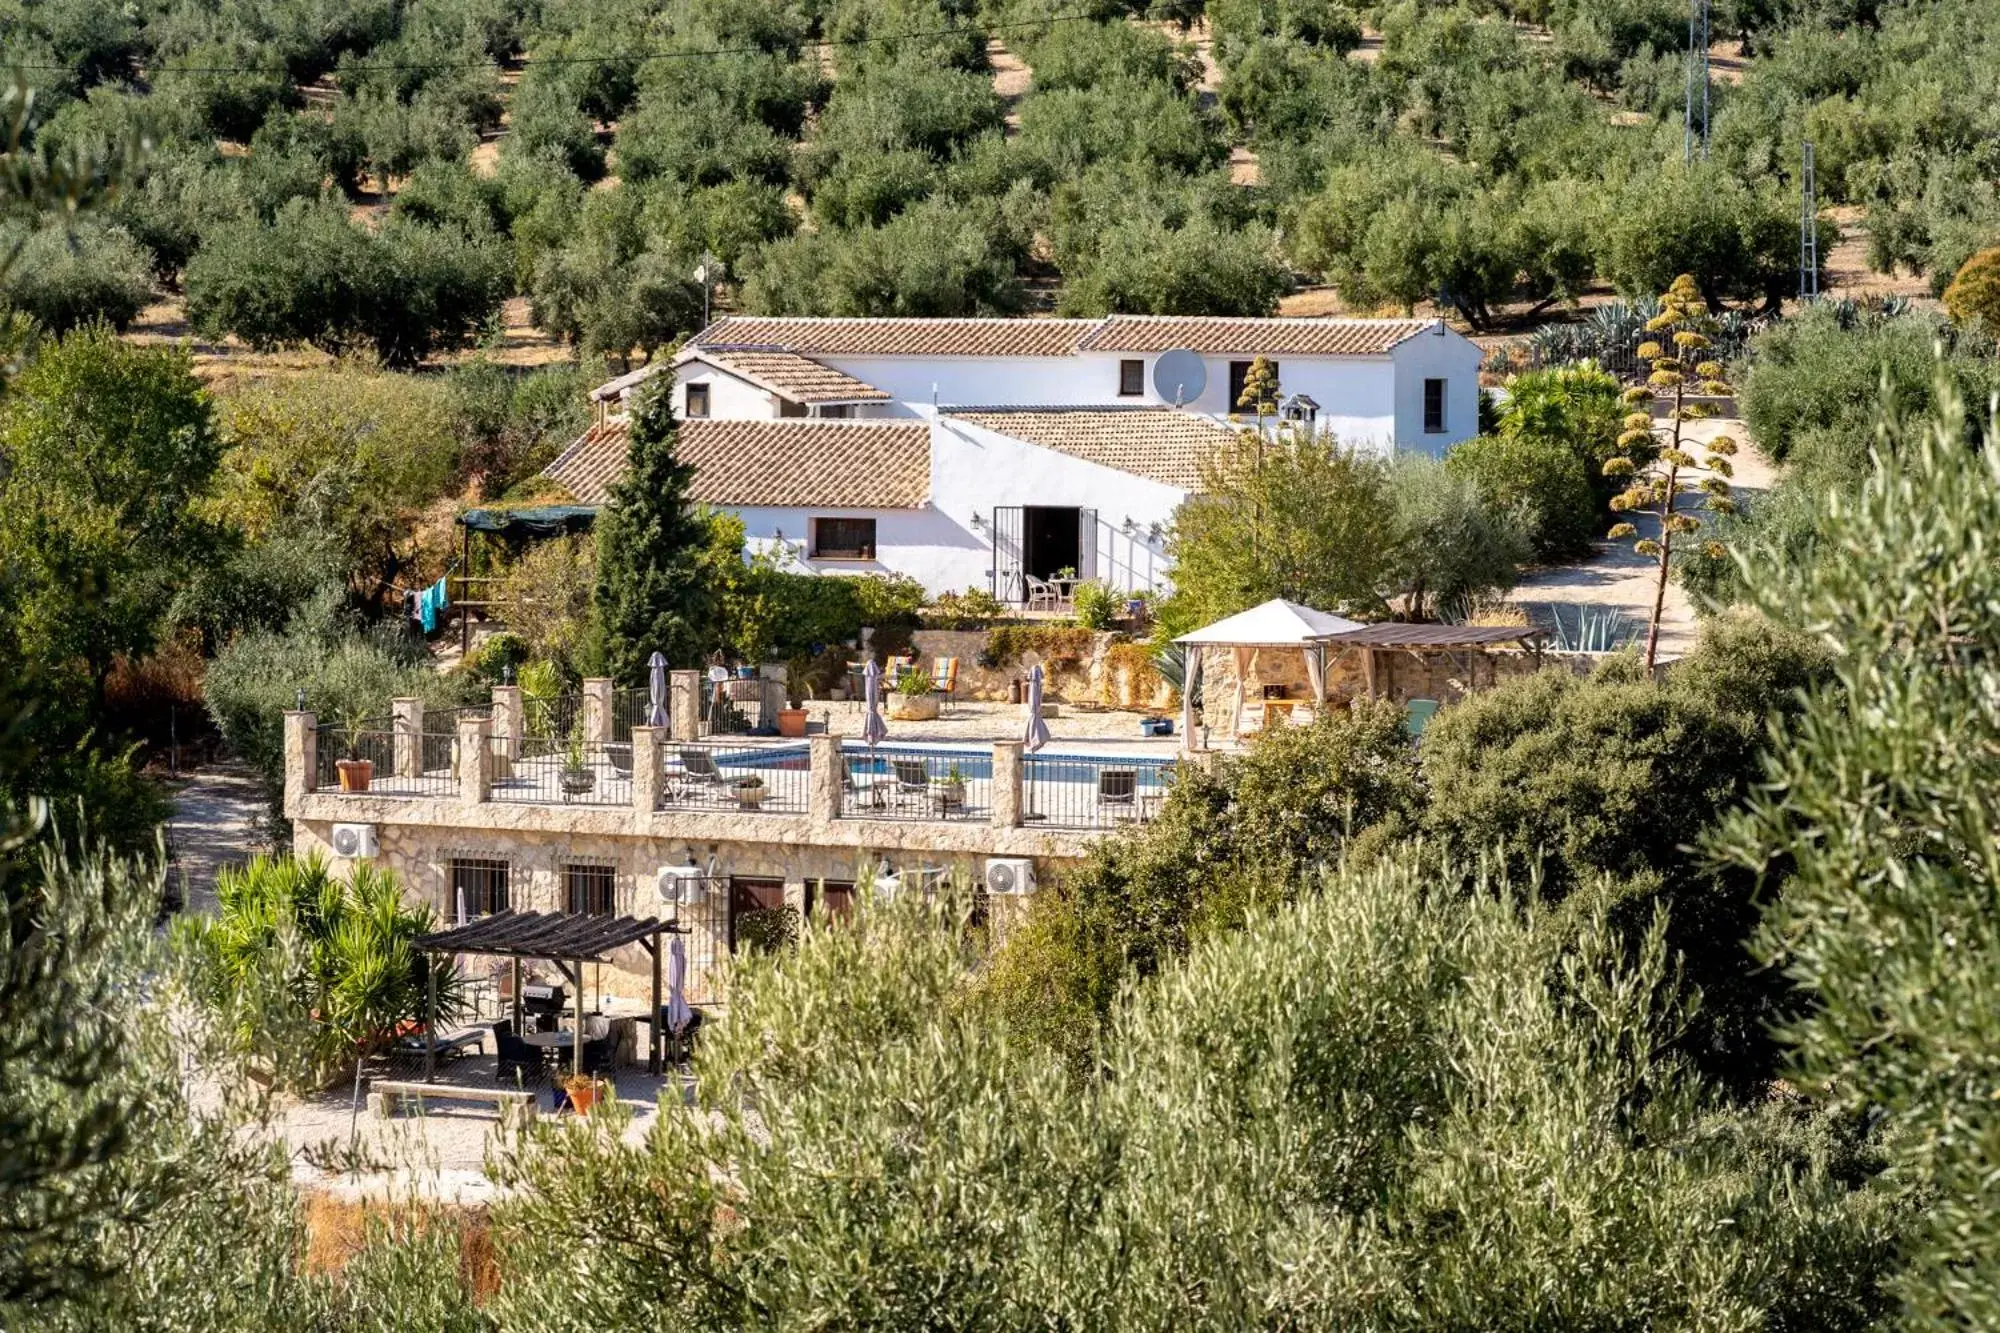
(1615, 580)
(218, 821)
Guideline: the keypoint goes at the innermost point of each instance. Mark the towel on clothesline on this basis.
(432, 603)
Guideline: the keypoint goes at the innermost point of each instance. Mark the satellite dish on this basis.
(1179, 376)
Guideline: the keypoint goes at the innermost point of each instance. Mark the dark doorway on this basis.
(750, 897)
(1050, 541)
(832, 897)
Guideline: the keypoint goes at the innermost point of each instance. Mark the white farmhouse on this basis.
(1004, 453)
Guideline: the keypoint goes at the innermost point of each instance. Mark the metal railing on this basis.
(885, 782)
(549, 770)
(1064, 791)
(735, 775)
(374, 742)
(628, 710)
(740, 707)
(440, 737)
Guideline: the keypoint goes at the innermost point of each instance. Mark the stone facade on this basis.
(419, 837)
(1096, 677)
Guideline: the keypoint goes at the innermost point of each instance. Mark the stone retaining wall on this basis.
(1093, 677)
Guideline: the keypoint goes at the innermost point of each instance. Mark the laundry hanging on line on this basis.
(432, 602)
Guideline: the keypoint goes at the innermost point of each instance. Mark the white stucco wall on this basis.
(1429, 356)
(729, 398)
(975, 471)
(979, 381)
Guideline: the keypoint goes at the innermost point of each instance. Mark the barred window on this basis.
(843, 538)
(590, 889)
(481, 883)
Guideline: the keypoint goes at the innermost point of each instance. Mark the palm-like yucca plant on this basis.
(312, 971)
(1657, 487)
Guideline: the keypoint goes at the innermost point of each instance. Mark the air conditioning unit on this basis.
(1010, 875)
(684, 886)
(355, 842)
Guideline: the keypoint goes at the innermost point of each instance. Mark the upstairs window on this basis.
(843, 539)
(837, 411)
(788, 408)
(697, 401)
(1434, 407)
(1131, 379)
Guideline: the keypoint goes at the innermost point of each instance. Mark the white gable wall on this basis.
(729, 398)
(1451, 358)
(965, 381)
(975, 471)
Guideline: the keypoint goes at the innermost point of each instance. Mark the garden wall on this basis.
(1078, 665)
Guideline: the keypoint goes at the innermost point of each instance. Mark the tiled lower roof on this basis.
(802, 462)
(1162, 444)
(1251, 337)
(796, 377)
(896, 337)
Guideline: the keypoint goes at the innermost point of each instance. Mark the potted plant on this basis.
(748, 791)
(916, 698)
(792, 720)
(355, 772)
(951, 788)
(577, 777)
(581, 1089)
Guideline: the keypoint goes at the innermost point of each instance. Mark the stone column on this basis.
(301, 757)
(474, 760)
(823, 800)
(409, 726)
(646, 774)
(684, 704)
(510, 723)
(1006, 784)
(598, 702)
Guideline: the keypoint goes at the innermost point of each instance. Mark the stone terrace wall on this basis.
(1093, 678)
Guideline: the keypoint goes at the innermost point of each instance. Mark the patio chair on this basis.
(1043, 595)
(697, 771)
(1420, 712)
(866, 791)
(944, 674)
(1251, 720)
(518, 1061)
(1118, 791)
(620, 755)
(678, 1047)
(913, 781)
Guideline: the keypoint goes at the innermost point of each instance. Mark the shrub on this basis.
(256, 678)
(1974, 294)
(1095, 604)
(1453, 546)
(1541, 479)
(1058, 645)
(310, 972)
(64, 277)
(808, 612)
(975, 608)
(1223, 841)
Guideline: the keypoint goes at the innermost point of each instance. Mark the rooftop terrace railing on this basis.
(594, 750)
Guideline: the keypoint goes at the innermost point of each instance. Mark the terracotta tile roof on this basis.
(897, 337)
(798, 378)
(1251, 337)
(837, 464)
(1161, 444)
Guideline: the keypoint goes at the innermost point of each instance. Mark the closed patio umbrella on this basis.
(1037, 733)
(873, 729)
(656, 690)
(679, 1015)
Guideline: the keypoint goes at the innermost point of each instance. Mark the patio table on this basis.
(561, 1040)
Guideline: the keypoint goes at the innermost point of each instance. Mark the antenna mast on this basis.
(1695, 124)
(1808, 228)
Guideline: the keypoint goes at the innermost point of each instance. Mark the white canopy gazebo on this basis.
(1276, 624)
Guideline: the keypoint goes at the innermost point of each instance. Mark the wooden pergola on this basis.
(1397, 636)
(566, 939)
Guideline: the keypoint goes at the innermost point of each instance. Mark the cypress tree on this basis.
(651, 595)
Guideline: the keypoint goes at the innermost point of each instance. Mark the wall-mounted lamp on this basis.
(1128, 525)
(977, 521)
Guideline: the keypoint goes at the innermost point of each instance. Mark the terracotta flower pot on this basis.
(582, 1095)
(749, 798)
(791, 722)
(355, 774)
